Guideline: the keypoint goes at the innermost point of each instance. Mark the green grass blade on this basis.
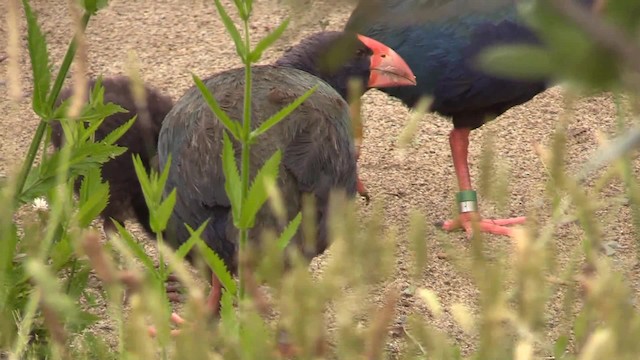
(184, 249)
(94, 195)
(218, 267)
(232, 181)
(161, 214)
(228, 317)
(164, 175)
(519, 61)
(119, 131)
(92, 6)
(143, 178)
(258, 195)
(39, 62)
(241, 9)
(230, 125)
(136, 248)
(284, 112)
(232, 30)
(268, 40)
(289, 231)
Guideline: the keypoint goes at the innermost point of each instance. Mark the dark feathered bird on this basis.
(126, 199)
(329, 65)
(316, 141)
(440, 41)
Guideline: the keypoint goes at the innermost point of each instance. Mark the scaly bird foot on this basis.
(173, 288)
(491, 226)
(213, 303)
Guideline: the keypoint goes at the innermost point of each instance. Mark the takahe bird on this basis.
(125, 193)
(440, 41)
(334, 71)
(316, 141)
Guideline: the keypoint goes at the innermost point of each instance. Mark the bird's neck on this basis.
(308, 65)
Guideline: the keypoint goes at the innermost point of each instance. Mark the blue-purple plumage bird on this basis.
(440, 41)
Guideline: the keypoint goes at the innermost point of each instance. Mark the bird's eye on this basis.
(383, 55)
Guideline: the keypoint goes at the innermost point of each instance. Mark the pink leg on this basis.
(459, 142)
(362, 190)
(213, 301)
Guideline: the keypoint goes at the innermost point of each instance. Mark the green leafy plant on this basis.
(247, 200)
(49, 259)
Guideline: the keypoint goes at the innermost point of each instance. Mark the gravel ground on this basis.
(173, 37)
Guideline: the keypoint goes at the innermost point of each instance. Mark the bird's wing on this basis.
(465, 87)
(321, 157)
(193, 138)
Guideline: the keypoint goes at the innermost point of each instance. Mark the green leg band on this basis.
(467, 201)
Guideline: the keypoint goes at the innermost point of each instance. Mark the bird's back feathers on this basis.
(440, 41)
(316, 142)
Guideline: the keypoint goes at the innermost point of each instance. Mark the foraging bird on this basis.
(126, 199)
(330, 66)
(316, 141)
(440, 41)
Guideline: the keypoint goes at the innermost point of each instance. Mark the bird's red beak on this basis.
(387, 67)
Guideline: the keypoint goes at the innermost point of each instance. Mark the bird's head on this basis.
(336, 57)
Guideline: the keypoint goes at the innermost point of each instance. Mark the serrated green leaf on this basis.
(231, 125)
(255, 339)
(232, 183)
(61, 253)
(228, 316)
(71, 131)
(232, 30)
(287, 234)
(93, 111)
(268, 40)
(241, 9)
(217, 266)
(78, 283)
(164, 175)
(517, 61)
(580, 326)
(92, 6)
(117, 133)
(90, 154)
(257, 195)
(194, 235)
(82, 321)
(39, 62)
(96, 96)
(143, 179)
(8, 245)
(284, 112)
(136, 248)
(94, 196)
(161, 214)
(50, 285)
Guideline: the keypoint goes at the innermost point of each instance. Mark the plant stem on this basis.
(42, 126)
(24, 328)
(246, 130)
(161, 265)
